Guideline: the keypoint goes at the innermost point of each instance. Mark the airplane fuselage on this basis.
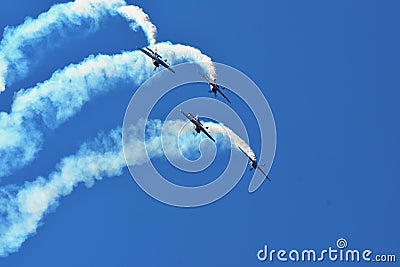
(253, 164)
(216, 88)
(156, 63)
(197, 124)
(156, 58)
(213, 88)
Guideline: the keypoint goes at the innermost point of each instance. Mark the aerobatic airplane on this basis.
(156, 58)
(216, 88)
(198, 125)
(253, 163)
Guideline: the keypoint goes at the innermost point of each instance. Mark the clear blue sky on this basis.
(329, 70)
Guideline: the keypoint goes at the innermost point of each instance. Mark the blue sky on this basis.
(329, 70)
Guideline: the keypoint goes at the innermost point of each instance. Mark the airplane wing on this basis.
(154, 57)
(150, 50)
(206, 133)
(258, 167)
(155, 54)
(198, 124)
(261, 170)
(191, 118)
(187, 115)
(162, 62)
(147, 53)
(224, 95)
(245, 153)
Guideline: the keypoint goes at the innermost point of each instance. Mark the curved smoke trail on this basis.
(141, 19)
(51, 103)
(182, 52)
(23, 208)
(62, 19)
(235, 139)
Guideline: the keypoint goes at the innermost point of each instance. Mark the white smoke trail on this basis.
(56, 100)
(136, 14)
(23, 208)
(183, 52)
(235, 139)
(61, 19)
